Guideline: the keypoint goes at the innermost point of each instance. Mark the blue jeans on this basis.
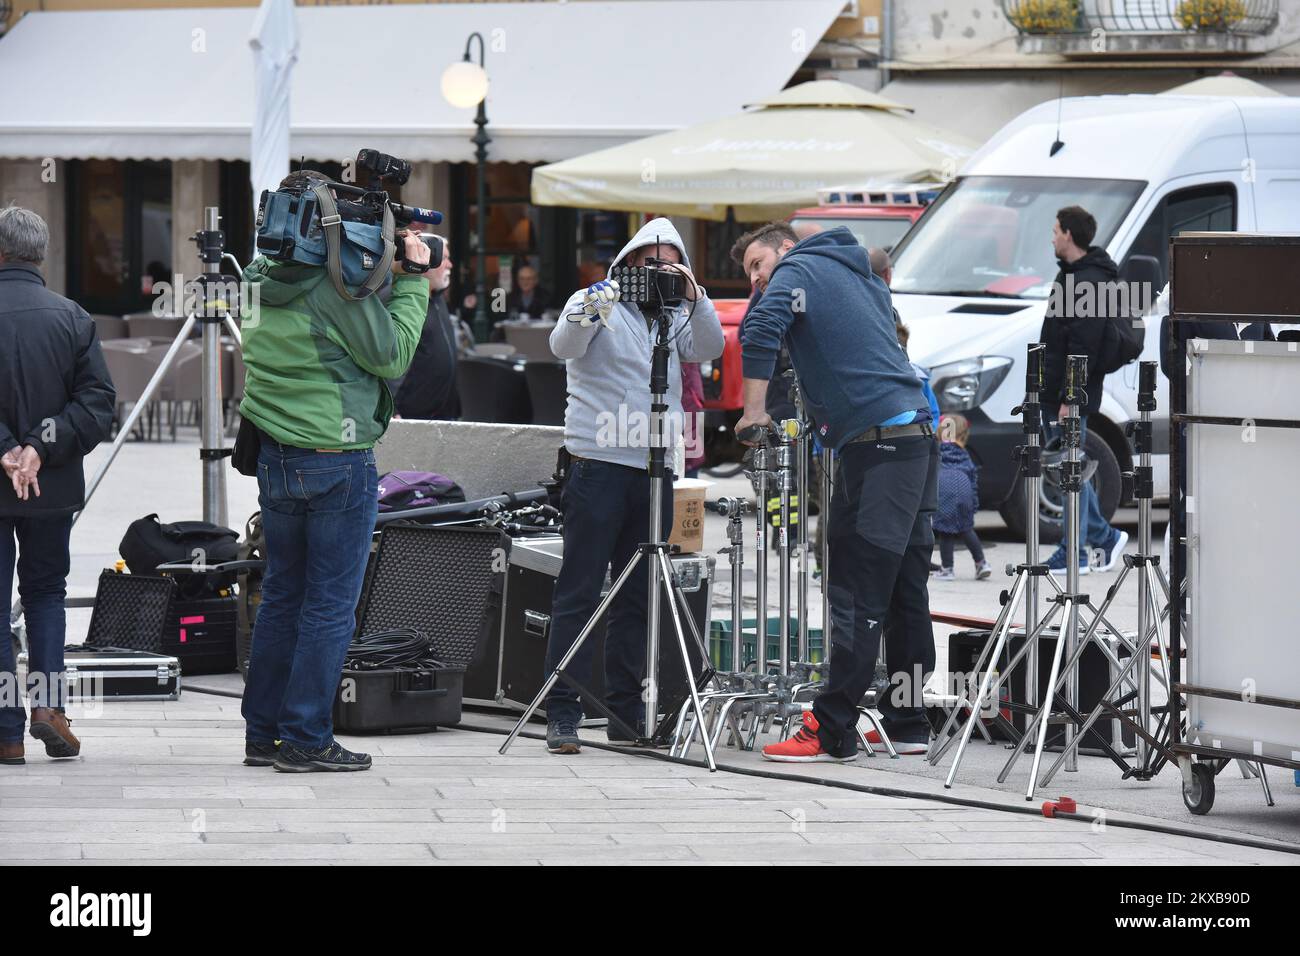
(606, 517)
(40, 548)
(1093, 529)
(318, 514)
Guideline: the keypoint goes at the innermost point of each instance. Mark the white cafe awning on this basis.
(566, 78)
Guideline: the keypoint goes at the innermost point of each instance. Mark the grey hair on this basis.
(24, 237)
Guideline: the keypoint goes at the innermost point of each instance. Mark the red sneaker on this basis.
(804, 747)
(903, 748)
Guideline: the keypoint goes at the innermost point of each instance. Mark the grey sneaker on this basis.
(332, 758)
(983, 571)
(944, 574)
(562, 737)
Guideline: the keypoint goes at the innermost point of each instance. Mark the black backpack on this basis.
(149, 543)
(1121, 342)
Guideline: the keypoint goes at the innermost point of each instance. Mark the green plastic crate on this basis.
(720, 640)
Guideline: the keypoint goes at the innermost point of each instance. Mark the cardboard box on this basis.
(688, 514)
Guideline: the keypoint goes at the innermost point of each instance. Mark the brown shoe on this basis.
(12, 754)
(51, 728)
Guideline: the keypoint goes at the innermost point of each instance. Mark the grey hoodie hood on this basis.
(609, 367)
(659, 231)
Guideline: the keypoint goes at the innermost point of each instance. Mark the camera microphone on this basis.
(416, 214)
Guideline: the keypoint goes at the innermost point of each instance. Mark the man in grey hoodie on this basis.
(607, 345)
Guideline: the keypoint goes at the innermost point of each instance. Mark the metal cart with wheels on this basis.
(1234, 452)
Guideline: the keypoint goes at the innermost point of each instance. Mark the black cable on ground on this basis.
(897, 792)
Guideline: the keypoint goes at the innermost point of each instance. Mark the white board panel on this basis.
(1244, 566)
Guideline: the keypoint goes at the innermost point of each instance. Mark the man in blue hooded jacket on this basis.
(834, 315)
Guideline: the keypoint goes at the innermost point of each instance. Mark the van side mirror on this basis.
(1143, 269)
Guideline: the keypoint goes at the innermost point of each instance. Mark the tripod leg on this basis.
(976, 705)
(1092, 717)
(1071, 622)
(587, 628)
(686, 659)
(995, 638)
(142, 403)
(1058, 680)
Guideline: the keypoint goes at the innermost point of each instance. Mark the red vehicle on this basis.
(878, 217)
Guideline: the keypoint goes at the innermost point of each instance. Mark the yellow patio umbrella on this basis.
(762, 163)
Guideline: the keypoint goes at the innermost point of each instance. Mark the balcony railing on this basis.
(1080, 27)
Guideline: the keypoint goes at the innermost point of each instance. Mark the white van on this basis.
(972, 277)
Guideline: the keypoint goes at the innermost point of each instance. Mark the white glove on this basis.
(598, 302)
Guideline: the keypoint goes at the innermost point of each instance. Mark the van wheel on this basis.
(1106, 481)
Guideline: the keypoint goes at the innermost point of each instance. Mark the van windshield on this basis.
(992, 235)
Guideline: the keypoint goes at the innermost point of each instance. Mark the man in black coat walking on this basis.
(1075, 324)
(56, 404)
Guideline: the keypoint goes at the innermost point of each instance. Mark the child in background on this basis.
(958, 499)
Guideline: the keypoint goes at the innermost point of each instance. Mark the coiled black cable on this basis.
(397, 647)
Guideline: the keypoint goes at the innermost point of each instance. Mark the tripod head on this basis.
(1076, 376)
(1146, 386)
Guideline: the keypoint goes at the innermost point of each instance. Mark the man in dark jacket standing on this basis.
(428, 391)
(1075, 324)
(56, 404)
(822, 300)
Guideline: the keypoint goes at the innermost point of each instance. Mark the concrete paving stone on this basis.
(508, 837)
(901, 834)
(760, 845)
(608, 826)
(58, 794)
(358, 805)
(315, 816)
(1005, 851)
(808, 853)
(611, 853)
(23, 816)
(281, 791)
(645, 783)
(120, 781)
(508, 792)
(421, 831)
(275, 837)
(113, 805)
(90, 834)
(257, 851)
(45, 851)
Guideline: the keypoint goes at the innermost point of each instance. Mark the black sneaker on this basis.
(562, 737)
(293, 759)
(617, 736)
(260, 754)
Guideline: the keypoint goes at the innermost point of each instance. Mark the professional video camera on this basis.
(348, 229)
(655, 283)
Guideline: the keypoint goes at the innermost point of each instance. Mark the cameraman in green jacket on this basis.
(316, 393)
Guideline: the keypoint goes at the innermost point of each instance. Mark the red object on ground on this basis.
(1063, 805)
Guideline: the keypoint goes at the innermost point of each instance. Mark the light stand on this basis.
(661, 579)
(1152, 588)
(1024, 590)
(1063, 680)
(214, 315)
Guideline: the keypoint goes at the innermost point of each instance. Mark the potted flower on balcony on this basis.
(1210, 16)
(1043, 16)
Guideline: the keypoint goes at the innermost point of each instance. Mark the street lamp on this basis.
(465, 84)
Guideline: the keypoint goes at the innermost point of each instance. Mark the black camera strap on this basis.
(332, 223)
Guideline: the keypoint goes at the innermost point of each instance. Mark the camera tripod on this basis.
(662, 583)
